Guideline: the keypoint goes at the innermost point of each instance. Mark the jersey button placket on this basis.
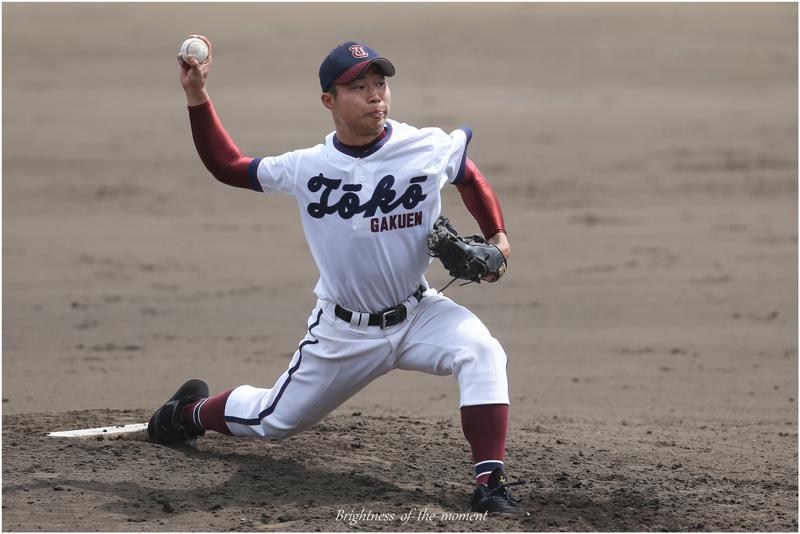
(360, 178)
(360, 170)
(363, 172)
(355, 172)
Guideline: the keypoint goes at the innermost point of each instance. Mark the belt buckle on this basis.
(390, 313)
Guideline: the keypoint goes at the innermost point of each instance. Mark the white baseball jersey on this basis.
(366, 216)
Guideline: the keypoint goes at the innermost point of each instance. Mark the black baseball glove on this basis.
(470, 258)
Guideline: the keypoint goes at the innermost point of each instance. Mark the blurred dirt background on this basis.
(645, 156)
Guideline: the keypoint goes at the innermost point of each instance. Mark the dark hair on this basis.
(333, 90)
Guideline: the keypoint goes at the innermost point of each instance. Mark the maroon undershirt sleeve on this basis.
(481, 201)
(216, 149)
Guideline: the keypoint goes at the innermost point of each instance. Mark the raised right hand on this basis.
(193, 76)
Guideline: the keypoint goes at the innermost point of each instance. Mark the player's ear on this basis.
(328, 101)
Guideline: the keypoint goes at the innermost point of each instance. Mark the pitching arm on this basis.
(216, 149)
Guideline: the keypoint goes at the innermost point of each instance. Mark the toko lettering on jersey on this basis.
(349, 204)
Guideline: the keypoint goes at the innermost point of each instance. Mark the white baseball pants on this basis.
(336, 359)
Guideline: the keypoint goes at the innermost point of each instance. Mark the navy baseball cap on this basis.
(347, 62)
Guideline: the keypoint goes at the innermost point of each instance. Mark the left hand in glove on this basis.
(470, 258)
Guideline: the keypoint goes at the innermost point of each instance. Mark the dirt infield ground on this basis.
(646, 159)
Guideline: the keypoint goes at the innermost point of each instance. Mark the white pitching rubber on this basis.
(99, 431)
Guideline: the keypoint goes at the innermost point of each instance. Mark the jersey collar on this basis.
(369, 151)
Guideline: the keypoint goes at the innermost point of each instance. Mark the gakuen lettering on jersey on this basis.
(396, 222)
(349, 204)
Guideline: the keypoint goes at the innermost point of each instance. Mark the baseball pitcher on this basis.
(370, 203)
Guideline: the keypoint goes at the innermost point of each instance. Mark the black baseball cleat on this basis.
(494, 497)
(167, 424)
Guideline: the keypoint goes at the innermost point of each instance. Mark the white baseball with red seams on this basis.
(196, 47)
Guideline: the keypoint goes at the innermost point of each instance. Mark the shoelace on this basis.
(503, 491)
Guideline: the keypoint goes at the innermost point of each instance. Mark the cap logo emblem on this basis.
(358, 51)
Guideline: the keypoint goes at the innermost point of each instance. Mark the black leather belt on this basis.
(386, 318)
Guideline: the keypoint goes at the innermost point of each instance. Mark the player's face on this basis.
(361, 107)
